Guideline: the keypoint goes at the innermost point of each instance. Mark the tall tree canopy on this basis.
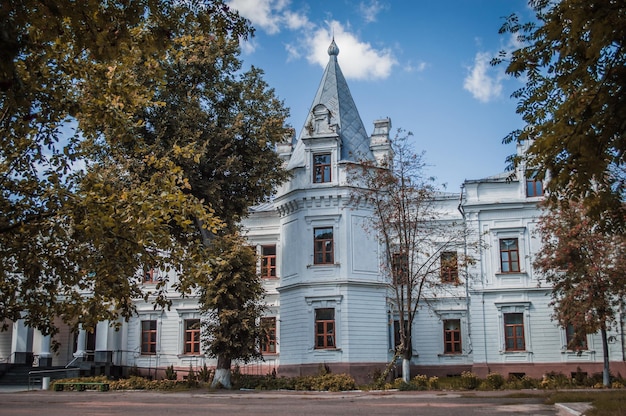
(128, 133)
(574, 65)
(585, 267)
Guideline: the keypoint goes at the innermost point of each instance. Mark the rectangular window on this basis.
(452, 336)
(575, 341)
(192, 336)
(150, 276)
(323, 253)
(514, 332)
(325, 328)
(321, 168)
(148, 337)
(534, 186)
(509, 255)
(397, 336)
(400, 268)
(268, 261)
(268, 335)
(449, 267)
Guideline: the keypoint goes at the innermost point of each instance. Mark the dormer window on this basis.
(321, 168)
(534, 186)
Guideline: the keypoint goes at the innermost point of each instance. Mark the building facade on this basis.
(327, 297)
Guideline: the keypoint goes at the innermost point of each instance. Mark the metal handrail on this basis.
(35, 375)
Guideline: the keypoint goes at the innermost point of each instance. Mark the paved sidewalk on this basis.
(38, 400)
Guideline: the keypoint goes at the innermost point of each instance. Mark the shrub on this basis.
(204, 374)
(524, 382)
(420, 382)
(192, 379)
(397, 383)
(553, 380)
(469, 380)
(433, 383)
(334, 382)
(494, 381)
(170, 373)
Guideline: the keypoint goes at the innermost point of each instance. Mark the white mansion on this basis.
(327, 298)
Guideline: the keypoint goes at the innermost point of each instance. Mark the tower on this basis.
(333, 305)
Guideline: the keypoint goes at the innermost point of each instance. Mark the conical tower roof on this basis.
(334, 94)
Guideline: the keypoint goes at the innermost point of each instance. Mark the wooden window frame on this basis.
(323, 252)
(268, 335)
(509, 257)
(449, 267)
(192, 342)
(534, 186)
(400, 268)
(322, 169)
(570, 333)
(150, 276)
(148, 337)
(452, 342)
(268, 262)
(397, 338)
(325, 329)
(511, 336)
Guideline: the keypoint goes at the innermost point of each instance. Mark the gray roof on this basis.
(333, 92)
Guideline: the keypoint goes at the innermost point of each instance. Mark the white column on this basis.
(81, 342)
(103, 352)
(45, 358)
(22, 343)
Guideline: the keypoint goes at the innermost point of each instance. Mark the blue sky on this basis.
(423, 63)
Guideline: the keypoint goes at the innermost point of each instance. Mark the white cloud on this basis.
(270, 15)
(370, 10)
(247, 46)
(359, 60)
(418, 67)
(483, 81)
(262, 13)
(295, 21)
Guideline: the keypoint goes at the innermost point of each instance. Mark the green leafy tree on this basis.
(220, 125)
(407, 220)
(232, 300)
(574, 65)
(127, 141)
(585, 267)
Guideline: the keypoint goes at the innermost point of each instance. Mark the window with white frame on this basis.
(514, 322)
(323, 251)
(324, 314)
(321, 168)
(325, 329)
(452, 343)
(575, 340)
(268, 261)
(268, 335)
(514, 338)
(148, 337)
(509, 255)
(192, 337)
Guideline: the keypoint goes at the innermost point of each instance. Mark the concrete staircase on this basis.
(17, 375)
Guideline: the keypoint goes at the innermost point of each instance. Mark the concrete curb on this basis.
(576, 409)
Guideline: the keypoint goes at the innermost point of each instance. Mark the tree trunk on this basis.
(406, 369)
(222, 373)
(406, 364)
(606, 379)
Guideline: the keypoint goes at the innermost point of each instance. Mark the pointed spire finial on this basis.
(333, 50)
